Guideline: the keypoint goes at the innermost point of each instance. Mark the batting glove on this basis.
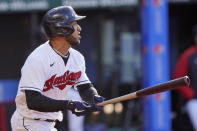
(80, 108)
(98, 99)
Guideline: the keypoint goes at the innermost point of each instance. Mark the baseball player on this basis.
(49, 72)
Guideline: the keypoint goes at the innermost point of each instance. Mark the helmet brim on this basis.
(78, 17)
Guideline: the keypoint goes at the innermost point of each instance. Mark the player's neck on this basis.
(61, 46)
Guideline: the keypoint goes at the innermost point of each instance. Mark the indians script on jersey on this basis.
(68, 78)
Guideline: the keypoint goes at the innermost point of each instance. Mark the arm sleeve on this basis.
(84, 78)
(181, 69)
(87, 92)
(37, 101)
(33, 75)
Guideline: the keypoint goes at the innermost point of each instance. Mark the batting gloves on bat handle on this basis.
(82, 108)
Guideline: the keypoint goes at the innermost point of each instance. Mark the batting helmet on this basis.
(56, 20)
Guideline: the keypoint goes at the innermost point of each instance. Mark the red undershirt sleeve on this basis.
(180, 70)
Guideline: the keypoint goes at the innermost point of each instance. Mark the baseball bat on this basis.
(169, 85)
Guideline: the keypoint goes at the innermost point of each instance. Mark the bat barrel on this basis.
(170, 85)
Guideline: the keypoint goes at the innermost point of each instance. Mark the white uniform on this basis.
(45, 71)
(75, 123)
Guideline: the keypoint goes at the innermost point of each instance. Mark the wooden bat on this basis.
(169, 85)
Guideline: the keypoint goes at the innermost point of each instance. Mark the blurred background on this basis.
(128, 45)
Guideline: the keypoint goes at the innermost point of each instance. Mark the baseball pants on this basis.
(19, 123)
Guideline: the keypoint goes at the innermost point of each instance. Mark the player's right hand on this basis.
(80, 108)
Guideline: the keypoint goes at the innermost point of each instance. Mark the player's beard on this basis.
(72, 40)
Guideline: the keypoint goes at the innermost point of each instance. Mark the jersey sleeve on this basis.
(32, 75)
(83, 78)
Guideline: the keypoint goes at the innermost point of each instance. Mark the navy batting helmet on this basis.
(56, 22)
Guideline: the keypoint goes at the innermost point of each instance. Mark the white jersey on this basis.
(45, 71)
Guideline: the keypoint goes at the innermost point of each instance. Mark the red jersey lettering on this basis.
(62, 81)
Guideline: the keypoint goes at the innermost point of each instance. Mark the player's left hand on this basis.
(98, 99)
